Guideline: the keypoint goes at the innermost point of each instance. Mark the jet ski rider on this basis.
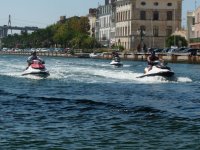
(115, 56)
(151, 58)
(34, 57)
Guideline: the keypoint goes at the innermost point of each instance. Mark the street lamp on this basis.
(141, 33)
(131, 41)
(119, 44)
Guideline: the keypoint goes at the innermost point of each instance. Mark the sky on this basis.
(42, 13)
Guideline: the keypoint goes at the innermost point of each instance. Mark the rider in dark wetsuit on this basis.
(151, 59)
(115, 56)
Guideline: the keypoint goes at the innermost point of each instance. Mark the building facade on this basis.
(190, 25)
(92, 21)
(140, 24)
(194, 28)
(105, 25)
(197, 23)
(154, 21)
(123, 20)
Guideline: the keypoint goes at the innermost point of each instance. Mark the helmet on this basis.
(33, 53)
(153, 53)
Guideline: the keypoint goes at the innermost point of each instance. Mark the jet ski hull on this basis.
(163, 71)
(116, 63)
(163, 74)
(36, 72)
(36, 69)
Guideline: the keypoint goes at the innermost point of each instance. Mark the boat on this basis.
(116, 62)
(37, 68)
(158, 69)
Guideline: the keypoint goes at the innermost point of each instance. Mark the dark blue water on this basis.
(88, 104)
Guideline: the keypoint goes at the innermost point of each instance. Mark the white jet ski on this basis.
(158, 69)
(37, 68)
(116, 61)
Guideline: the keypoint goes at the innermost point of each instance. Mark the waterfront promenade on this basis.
(169, 57)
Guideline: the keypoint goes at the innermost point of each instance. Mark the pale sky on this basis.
(42, 13)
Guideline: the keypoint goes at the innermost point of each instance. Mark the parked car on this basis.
(172, 50)
(181, 49)
(192, 51)
(158, 50)
(165, 50)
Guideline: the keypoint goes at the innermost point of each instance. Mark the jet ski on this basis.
(116, 61)
(158, 69)
(36, 68)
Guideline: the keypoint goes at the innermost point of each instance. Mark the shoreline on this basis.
(172, 58)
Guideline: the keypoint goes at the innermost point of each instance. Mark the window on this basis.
(155, 31)
(169, 30)
(142, 28)
(142, 15)
(143, 3)
(169, 4)
(155, 15)
(129, 16)
(104, 37)
(193, 21)
(156, 4)
(126, 32)
(169, 15)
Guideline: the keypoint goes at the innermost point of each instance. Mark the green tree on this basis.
(84, 24)
(63, 35)
(72, 33)
(176, 41)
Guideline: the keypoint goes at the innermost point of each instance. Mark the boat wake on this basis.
(93, 75)
(89, 72)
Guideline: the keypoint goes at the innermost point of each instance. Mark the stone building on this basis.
(137, 24)
(92, 21)
(124, 15)
(197, 23)
(158, 20)
(193, 25)
(146, 23)
(190, 25)
(105, 25)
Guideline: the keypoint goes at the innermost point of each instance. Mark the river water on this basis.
(89, 104)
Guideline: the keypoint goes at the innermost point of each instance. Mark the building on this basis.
(105, 25)
(124, 15)
(197, 23)
(92, 21)
(193, 21)
(190, 25)
(62, 19)
(138, 24)
(154, 21)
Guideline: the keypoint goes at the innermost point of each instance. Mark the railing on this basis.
(174, 58)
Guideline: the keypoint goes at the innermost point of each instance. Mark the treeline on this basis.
(72, 33)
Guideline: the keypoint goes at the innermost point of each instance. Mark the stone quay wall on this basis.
(173, 58)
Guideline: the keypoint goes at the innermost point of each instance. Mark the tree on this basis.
(73, 32)
(176, 40)
(84, 24)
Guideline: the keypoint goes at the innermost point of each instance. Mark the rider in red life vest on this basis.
(34, 57)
